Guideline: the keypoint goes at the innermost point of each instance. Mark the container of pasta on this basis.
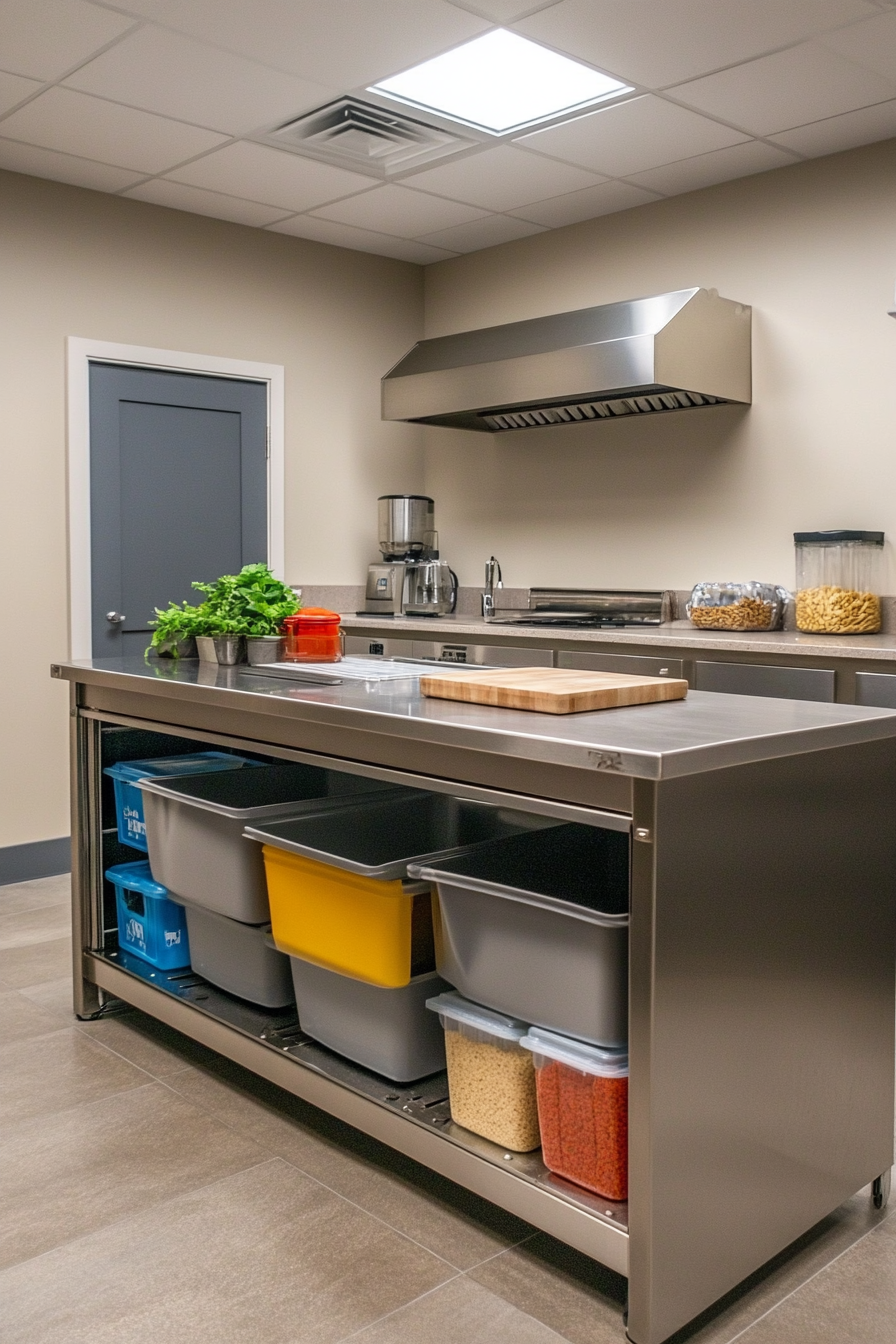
(582, 1111)
(737, 606)
(491, 1078)
(838, 580)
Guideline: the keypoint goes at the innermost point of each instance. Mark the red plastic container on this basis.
(313, 636)
(582, 1111)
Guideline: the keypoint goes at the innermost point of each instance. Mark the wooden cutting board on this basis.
(552, 690)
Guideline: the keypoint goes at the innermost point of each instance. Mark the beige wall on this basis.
(707, 494)
(79, 263)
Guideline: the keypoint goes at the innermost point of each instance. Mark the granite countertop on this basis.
(676, 634)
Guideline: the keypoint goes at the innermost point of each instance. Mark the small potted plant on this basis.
(244, 612)
(175, 631)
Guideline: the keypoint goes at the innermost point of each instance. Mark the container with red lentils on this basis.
(582, 1111)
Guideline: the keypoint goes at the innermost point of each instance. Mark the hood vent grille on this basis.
(532, 418)
(666, 352)
(361, 136)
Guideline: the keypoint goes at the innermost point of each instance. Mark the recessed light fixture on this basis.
(501, 82)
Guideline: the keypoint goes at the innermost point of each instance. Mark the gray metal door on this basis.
(178, 490)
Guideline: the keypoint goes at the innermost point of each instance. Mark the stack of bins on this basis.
(126, 777)
(358, 932)
(194, 829)
(536, 927)
(149, 925)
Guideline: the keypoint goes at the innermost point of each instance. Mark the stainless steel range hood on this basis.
(666, 353)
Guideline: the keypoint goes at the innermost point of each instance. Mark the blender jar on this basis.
(838, 582)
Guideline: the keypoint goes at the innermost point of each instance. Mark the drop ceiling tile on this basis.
(44, 38)
(503, 11)
(78, 124)
(705, 170)
(606, 199)
(871, 44)
(346, 44)
(502, 178)
(480, 233)
(399, 211)
(788, 89)
(14, 89)
(833, 134)
(197, 202)
(360, 240)
(632, 137)
(16, 158)
(660, 42)
(270, 176)
(163, 72)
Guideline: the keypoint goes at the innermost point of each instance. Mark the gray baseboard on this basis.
(43, 858)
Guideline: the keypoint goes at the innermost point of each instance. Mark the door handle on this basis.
(115, 617)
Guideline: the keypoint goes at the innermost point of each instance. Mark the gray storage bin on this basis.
(238, 958)
(383, 836)
(537, 927)
(388, 1031)
(194, 829)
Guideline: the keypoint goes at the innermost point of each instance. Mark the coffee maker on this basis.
(406, 536)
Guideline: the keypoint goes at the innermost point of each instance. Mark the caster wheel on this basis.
(880, 1191)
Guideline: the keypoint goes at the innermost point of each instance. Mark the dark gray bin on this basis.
(195, 824)
(389, 1031)
(383, 837)
(537, 927)
(238, 958)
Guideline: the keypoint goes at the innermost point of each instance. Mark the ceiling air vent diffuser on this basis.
(358, 135)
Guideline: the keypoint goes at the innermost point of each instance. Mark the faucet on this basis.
(493, 580)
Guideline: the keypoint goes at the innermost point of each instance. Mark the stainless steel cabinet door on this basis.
(782, 683)
(876, 688)
(634, 664)
(495, 655)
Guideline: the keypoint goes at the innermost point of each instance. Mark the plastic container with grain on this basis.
(737, 606)
(838, 582)
(491, 1078)
(582, 1111)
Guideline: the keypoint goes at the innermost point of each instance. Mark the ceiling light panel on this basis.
(660, 42)
(501, 82)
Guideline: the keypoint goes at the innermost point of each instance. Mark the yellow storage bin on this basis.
(374, 930)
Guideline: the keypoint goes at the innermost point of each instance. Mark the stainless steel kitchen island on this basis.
(762, 937)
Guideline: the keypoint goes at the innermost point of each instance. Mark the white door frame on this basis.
(80, 352)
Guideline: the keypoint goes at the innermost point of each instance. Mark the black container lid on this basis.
(832, 538)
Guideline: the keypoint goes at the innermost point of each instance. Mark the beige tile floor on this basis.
(154, 1192)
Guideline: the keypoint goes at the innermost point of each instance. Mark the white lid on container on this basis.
(458, 1009)
(586, 1058)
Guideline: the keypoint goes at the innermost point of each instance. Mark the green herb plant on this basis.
(252, 602)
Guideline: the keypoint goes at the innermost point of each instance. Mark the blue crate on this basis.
(129, 799)
(150, 926)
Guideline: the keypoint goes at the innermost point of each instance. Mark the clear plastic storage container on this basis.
(737, 606)
(838, 577)
(491, 1078)
(582, 1111)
